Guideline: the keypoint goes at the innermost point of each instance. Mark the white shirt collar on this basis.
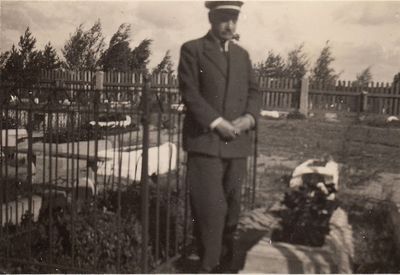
(218, 41)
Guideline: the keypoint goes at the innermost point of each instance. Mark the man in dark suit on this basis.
(220, 93)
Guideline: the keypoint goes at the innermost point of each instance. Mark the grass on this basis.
(364, 149)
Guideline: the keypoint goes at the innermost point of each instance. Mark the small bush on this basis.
(295, 115)
(88, 239)
(8, 123)
(306, 217)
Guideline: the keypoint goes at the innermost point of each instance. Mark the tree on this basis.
(3, 59)
(363, 78)
(116, 57)
(84, 48)
(323, 72)
(140, 55)
(30, 57)
(27, 44)
(49, 58)
(120, 57)
(122, 34)
(96, 44)
(22, 65)
(166, 64)
(13, 66)
(74, 50)
(296, 63)
(396, 79)
(273, 66)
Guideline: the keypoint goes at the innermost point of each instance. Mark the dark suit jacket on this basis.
(212, 87)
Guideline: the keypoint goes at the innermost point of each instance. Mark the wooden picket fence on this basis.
(342, 96)
(277, 93)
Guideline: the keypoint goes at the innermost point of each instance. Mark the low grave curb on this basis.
(335, 256)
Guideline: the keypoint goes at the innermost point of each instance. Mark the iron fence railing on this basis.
(92, 175)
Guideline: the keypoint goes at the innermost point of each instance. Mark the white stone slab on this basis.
(128, 164)
(79, 147)
(48, 169)
(10, 137)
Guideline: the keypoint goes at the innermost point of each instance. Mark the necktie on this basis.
(224, 50)
(223, 46)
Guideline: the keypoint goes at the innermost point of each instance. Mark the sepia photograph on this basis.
(199, 137)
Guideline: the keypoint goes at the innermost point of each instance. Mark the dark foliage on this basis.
(12, 189)
(373, 231)
(88, 239)
(323, 71)
(306, 217)
(165, 207)
(8, 123)
(83, 49)
(273, 66)
(65, 135)
(23, 64)
(117, 55)
(295, 115)
(140, 55)
(112, 117)
(166, 65)
(396, 79)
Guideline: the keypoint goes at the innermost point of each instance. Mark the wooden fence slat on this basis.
(286, 95)
(384, 106)
(388, 101)
(267, 85)
(280, 93)
(397, 100)
(290, 95)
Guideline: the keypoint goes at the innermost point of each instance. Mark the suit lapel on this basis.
(234, 65)
(213, 53)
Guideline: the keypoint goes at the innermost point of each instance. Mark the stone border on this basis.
(394, 218)
(335, 256)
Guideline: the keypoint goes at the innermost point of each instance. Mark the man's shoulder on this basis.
(194, 43)
(240, 48)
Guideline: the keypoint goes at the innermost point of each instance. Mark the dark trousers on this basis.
(215, 189)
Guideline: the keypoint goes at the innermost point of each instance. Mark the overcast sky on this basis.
(361, 34)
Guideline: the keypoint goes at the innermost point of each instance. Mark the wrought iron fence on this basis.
(92, 174)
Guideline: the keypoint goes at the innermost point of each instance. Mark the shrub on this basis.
(306, 217)
(89, 239)
(295, 115)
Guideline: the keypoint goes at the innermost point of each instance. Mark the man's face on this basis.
(223, 24)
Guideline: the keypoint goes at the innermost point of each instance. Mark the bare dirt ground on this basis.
(369, 162)
(349, 142)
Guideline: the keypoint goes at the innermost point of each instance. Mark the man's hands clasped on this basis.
(244, 123)
(230, 130)
(226, 130)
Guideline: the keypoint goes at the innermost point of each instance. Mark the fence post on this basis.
(303, 106)
(98, 87)
(144, 172)
(99, 77)
(59, 83)
(29, 128)
(364, 101)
